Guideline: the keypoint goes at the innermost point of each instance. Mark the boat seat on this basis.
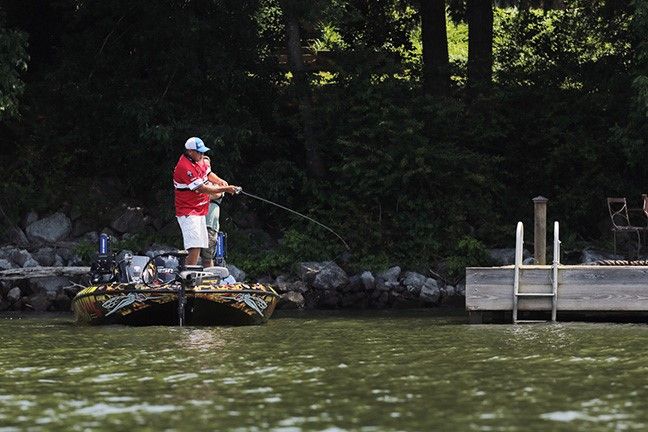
(221, 272)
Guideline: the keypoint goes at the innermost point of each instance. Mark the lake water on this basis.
(378, 371)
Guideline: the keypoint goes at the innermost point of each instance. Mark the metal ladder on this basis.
(519, 241)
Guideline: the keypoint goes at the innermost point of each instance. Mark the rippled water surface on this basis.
(370, 371)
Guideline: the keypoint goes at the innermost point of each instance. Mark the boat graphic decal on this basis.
(256, 303)
(120, 302)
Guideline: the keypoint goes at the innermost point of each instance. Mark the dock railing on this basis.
(518, 266)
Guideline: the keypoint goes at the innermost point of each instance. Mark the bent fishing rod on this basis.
(239, 190)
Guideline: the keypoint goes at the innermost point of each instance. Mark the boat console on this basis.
(161, 269)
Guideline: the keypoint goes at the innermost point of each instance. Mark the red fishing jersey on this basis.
(188, 176)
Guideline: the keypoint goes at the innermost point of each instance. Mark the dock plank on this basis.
(580, 288)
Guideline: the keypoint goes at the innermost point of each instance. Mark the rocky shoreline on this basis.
(51, 242)
(319, 285)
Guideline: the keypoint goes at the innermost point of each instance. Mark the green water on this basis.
(379, 371)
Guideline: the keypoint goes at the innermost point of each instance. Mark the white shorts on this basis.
(194, 231)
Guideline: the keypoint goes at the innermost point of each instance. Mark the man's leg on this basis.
(194, 236)
(207, 255)
(192, 258)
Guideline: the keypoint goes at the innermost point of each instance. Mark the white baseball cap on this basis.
(195, 143)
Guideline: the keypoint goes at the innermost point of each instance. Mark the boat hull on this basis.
(205, 305)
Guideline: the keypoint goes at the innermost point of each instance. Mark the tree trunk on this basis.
(480, 45)
(302, 92)
(436, 69)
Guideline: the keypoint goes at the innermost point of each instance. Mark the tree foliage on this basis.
(13, 63)
(117, 86)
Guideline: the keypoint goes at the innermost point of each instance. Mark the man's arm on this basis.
(212, 177)
(211, 189)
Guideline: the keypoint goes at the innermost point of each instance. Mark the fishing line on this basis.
(240, 191)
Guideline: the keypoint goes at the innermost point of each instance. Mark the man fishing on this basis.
(195, 184)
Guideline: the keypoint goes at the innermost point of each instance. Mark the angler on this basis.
(195, 186)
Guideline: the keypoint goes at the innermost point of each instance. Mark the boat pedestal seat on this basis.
(221, 272)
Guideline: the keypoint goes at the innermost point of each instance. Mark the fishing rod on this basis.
(239, 190)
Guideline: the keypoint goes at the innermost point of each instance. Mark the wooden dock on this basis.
(581, 288)
(555, 288)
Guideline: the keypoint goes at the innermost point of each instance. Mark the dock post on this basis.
(540, 230)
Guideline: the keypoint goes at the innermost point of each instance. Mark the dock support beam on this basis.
(540, 230)
(475, 317)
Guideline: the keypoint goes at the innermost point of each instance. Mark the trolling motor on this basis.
(103, 269)
(220, 250)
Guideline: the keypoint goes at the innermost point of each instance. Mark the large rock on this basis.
(236, 273)
(461, 289)
(17, 236)
(14, 294)
(298, 286)
(391, 274)
(291, 300)
(31, 263)
(413, 282)
(330, 277)
(45, 256)
(308, 270)
(49, 285)
(58, 261)
(388, 286)
(22, 258)
(5, 252)
(5, 264)
(50, 229)
(131, 220)
(430, 292)
(65, 253)
(368, 280)
(355, 284)
(29, 218)
(76, 260)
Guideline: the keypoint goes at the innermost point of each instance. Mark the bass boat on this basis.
(160, 290)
